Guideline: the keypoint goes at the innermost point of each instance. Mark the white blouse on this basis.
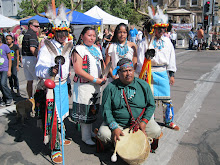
(46, 61)
(94, 67)
(112, 52)
(164, 56)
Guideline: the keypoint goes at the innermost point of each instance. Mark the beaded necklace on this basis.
(94, 52)
(159, 44)
(129, 92)
(122, 50)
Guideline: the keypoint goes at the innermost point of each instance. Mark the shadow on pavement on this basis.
(75, 135)
(33, 137)
(27, 132)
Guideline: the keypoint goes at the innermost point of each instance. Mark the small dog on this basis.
(24, 107)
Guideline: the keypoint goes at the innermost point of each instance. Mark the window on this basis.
(182, 2)
(194, 2)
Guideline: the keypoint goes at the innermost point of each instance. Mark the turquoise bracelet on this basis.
(94, 80)
(113, 125)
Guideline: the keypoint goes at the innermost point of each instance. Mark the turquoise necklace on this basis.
(130, 93)
(158, 44)
(122, 50)
(94, 52)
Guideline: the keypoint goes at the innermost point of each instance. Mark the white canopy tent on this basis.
(107, 19)
(7, 22)
(179, 11)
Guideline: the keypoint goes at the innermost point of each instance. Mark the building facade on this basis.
(9, 8)
(180, 11)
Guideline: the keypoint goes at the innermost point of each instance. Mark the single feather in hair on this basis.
(61, 12)
(153, 9)
(49, 13)
(150, 12)
(70, 17)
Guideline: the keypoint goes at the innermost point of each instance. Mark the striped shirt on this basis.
(29, 40)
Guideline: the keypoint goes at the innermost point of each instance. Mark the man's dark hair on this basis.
(123, 61)
(148, 25)
(31, 22)
(169, 27)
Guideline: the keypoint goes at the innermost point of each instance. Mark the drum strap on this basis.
(134, 123)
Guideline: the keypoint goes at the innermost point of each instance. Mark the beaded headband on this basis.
(124, 66)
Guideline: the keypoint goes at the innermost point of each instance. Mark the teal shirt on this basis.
(114, 106)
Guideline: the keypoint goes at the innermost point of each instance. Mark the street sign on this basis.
(216, 7)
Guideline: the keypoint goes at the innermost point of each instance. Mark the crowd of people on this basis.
(201, 40)
(127, 101)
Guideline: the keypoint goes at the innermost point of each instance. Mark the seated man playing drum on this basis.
(128, 102)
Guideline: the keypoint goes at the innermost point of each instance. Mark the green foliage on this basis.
(88, 4)
(27, 10)
(114, 7)
(117, 8)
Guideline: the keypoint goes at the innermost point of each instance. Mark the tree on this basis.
(117, 8)
(114, 7)
(27, 10)
(88, 4)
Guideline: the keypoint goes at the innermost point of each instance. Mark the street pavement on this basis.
(195, 96)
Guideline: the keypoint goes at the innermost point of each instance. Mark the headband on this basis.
(126, 65)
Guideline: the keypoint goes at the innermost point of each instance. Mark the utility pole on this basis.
(213, 17)
(207, 13)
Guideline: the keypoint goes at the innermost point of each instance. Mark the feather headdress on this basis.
(160, 19)
(59, 21)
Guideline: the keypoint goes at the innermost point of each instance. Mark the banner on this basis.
(187, 27)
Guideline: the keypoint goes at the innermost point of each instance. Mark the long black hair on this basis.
(115, 37)
(147, 25)
(2, 39)
(82, 33)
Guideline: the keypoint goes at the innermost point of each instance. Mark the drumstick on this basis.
(114, 156)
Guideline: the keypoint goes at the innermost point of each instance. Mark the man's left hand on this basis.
(172, 80)
(142, 127)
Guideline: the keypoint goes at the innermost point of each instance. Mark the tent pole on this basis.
(101, 32)
(102, 27)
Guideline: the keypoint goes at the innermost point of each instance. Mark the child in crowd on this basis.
(5, 71)
(13, 79)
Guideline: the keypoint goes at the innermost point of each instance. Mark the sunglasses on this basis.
(37, 26)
